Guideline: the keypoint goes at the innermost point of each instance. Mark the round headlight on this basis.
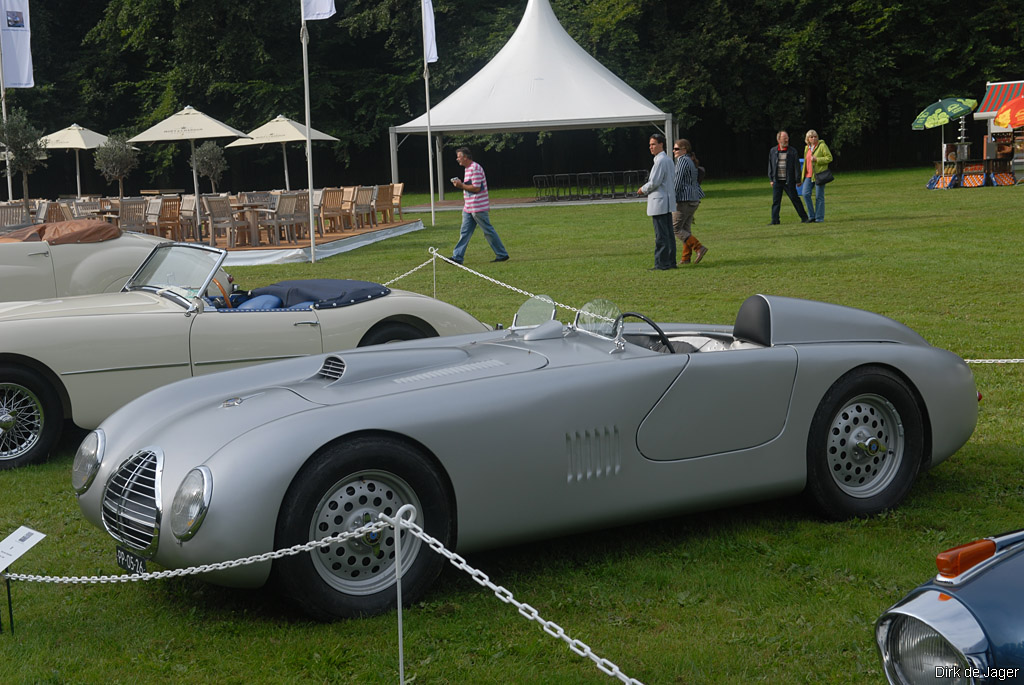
(916, 653)
(191, 502)
(87, 461)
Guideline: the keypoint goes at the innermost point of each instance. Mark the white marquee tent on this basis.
(541, 80)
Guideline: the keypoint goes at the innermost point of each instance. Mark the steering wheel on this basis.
(657, 329)
(227, 300)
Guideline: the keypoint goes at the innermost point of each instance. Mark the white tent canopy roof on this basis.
(540, 80)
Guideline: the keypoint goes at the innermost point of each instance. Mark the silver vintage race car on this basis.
(83, 357)
(508, 436)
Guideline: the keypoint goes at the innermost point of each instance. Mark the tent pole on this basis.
(430, 154)
(394, 153)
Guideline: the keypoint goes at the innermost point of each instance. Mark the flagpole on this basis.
(304, 34)
(3, 106)
(426, 88)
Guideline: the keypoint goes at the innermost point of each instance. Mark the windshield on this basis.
(187, 268)
(599, 317)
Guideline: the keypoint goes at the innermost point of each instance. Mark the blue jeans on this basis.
(469, 224)
(816, 210)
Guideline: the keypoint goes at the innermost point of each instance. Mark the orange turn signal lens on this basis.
(960, 559)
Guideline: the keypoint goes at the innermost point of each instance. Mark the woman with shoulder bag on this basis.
(817, 157)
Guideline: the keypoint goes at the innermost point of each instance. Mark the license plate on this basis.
(130, 561)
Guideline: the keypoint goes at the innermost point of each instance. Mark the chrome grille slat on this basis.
(131, 502)
(333, 368)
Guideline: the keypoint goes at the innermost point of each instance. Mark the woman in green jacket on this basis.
(817, 157)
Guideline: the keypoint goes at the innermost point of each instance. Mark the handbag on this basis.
(824, 176)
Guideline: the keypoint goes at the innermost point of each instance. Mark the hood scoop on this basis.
(333, 369)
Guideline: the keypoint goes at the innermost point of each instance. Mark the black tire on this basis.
(31, 417)
(346, 486)
(866, 444)
(391, 331)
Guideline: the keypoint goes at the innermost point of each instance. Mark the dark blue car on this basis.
(964, 626)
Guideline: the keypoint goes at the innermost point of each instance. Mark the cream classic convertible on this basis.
(78, 257)
(84, 357)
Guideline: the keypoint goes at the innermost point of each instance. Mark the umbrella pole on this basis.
(284, 154)
(304, 37)
(199, 204)
(78, 175)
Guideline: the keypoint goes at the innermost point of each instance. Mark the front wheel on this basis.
(866, 444)
(30, 417)
(340, 489)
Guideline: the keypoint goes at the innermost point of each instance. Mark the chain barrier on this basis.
(205, 568)
(994, 361)
(550, 627)
(525, 610)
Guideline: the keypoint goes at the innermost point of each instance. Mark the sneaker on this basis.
(456, 260)
(807, 220)
(699, 253)
(500, 259)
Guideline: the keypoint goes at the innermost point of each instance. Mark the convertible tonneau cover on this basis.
(324, 293)
(65, 232)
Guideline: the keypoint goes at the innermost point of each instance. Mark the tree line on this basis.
(731, 71)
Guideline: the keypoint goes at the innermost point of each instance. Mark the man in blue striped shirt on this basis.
(688, 197)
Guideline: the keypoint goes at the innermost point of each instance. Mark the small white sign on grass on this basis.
(16, 544)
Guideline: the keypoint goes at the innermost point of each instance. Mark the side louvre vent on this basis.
(593, 454)
(333, 369)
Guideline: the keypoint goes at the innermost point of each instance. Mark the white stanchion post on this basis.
(399, 518)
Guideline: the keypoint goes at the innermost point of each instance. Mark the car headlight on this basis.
(914, 653)
(87, 461)
(191, 502)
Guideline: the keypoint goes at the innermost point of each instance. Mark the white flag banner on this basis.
(317, 9)
(15, 37)
(429, 41)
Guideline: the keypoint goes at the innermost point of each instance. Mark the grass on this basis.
(766, 592)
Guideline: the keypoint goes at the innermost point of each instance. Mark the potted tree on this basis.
(20, 140)
(115, 159)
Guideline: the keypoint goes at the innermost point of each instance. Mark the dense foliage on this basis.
(732, 72)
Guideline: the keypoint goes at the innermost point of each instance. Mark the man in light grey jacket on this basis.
(661, 200)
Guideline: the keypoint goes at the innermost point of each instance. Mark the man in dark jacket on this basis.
(784, 174)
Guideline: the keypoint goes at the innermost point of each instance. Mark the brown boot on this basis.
(687, 248)
(698, 250)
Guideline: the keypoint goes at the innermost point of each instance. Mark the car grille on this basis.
(131, 502)
(333, 369)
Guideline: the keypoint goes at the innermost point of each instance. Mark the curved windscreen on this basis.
(599, 317)
(187, 268)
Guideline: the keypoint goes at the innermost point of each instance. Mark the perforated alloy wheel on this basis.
(344, 487)
(30, 417)
(866, 444)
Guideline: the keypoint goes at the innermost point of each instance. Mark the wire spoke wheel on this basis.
(21, 420)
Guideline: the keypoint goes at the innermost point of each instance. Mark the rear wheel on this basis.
(30, 417)
(343, 488)
(391, 331)
(866, 444)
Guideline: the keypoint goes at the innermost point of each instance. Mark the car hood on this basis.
(81, 305)
(360, 374)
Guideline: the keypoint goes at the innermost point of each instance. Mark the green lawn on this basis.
(761, 593)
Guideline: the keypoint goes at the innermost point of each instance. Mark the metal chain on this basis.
(994, 361)
(410, 271)
(255, 559)
(550, 627)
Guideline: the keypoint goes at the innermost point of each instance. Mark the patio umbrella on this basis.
(189, 124)
(76, 138)
(1011, 115)
(282, 130)
(941, 113)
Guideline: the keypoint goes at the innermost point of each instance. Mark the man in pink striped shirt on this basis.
(475, 208)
